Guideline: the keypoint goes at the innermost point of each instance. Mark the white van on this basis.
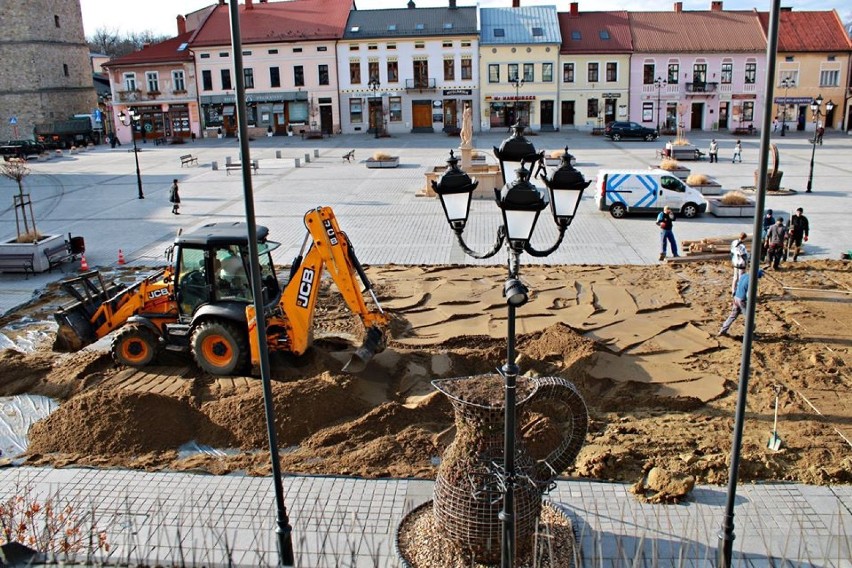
(624, 191)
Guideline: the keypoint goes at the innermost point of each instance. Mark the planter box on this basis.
(681, 172)
(688, 152)
(40, 262)
(717, 209)
(391, 163)
(556, 162)
(712, 187)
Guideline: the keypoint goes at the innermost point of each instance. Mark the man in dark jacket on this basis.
(775, 237)
(768, 221)
(799, 230)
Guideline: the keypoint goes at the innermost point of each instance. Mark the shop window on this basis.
(748, 111)
(395, 109)
(648, 112)
(355, 111)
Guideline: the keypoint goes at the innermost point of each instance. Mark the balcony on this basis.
(701, 88)
(129, 96)
(420, 84)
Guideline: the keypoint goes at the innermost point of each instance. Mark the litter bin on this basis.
(78, 245)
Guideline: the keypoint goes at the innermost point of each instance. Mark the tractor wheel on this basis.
(134, 346)
(219, 348)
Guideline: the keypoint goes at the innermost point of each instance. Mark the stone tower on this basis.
(45, 71)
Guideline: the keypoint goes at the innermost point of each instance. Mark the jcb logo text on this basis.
(305, 287)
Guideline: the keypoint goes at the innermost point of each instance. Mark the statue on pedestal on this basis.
(467, 126)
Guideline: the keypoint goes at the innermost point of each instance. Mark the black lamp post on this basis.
(517, 82)
(659, 83)
(374, 85)
(786, 83)
(131, 119)
(816, 109)
(520, 202)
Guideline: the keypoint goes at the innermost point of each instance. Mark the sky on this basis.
(158, 16)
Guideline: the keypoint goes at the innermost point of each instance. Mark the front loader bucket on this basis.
(373, 343)
(75, 326)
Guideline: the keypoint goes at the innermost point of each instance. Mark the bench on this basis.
(348, 156)
(312, 134)
(188, 159)
(745, 130)
(238, 165)
(57, 254)
(160, 140)
(17, 261)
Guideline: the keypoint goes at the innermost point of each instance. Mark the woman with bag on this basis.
(174, 197)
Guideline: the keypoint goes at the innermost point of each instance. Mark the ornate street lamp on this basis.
(816, 109)
(520, 203)
(659, 83)
(131, 119)
(374, 85)
(517, 82)
(787, 82)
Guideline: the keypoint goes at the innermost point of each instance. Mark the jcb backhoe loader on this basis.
(202, 303)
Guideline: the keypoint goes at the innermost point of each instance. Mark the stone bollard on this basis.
(278, 154)
(227, 160)
(215, 165)
(307, 158)
(316, 153)
(298, 162)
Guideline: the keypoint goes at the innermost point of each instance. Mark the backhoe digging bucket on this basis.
(373, 343)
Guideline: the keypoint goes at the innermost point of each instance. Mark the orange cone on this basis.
(121, 260)
(84, 266)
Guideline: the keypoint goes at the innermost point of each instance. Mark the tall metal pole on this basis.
(507, 515)
(659, 84)
(283, 530)
(133, 124)
(726, 534)
(784, 116)
(813, 153)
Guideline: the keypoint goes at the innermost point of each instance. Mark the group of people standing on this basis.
(713, 152)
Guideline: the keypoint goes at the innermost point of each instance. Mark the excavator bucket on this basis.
(373, 343)
(75, 326)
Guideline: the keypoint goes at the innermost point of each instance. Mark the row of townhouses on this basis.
(324, 66)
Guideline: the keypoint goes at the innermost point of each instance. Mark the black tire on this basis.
(689, 210)
(618, 210)
(219, 347)
(135, 346)
(616, 137)
(650, 137)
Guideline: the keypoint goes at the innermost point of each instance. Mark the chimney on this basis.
(575, 10)
(452, 4)
(181, 24)
(678, 7)
(716, 6)
(410, 4)
(249, 5)
(516, 3)
(221, 2)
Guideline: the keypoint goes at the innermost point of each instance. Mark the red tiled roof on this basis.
(165, 51)
(590, 25)
(277, 21)
(809, 31)
(697, 31)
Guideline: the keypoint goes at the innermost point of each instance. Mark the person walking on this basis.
(799, 231)
(714, 151)
(174, 197)
(768, 221)
(665, 221)
(739, 302)
(738, 153)
(820, 132)
(774, 124)
(739, 260)
(775, 237)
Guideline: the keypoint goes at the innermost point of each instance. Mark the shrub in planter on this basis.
(698, 179)
(16, 170)
(382, 156)
(669, 164)
(735, 198)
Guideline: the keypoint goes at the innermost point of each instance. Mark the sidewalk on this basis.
(340, 521)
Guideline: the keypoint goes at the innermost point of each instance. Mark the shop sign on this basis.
(451, 92)
(793, 100)
(610, 95)
(514, 98)
(740, 97)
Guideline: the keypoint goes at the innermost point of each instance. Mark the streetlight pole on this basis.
(659, 83)
(786, 83)
(133, 117)
(517, 82)
(374, 86)
(816, 109)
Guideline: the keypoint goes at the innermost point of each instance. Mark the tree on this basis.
(16, 170)
(110, 42)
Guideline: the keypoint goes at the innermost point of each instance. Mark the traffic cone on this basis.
(84, 266)
(121, 260)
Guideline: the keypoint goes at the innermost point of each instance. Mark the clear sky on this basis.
(159, 16)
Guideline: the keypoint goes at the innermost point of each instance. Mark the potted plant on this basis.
(673, 166)
(382, 160)
(554, 158)
(705, 184)
(732, 204)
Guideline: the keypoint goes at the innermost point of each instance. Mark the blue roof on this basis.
(525, 24)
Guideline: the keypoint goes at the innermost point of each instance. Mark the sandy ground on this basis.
(639, 343)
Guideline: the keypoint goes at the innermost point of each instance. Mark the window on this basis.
(727, 73)
(355, 112)
(298, 75)
(322, 72)
(750, 72)
(448, 25)
(248, 76)
(297, 50)
(611, 72)
(593, 72)
(499, 32)
(395, 109)
(576, 35)
(699, 73)
(419, 27)
(419, 45)
(674, 73)
(789, 58)
(513, 72)
(529, 72)
(831, 58)
(537, 32)
(130, 81)
(449, 70)
(567, 72)
(748, 111)
(204, 56)
(391, 27)
(373, 70)
(272, 51)
(223, 54)
(178, 83)
(355, 72)
(447, 44)
(322, 48)
(829, 78)
(792, 78)
(547, 72)
(152, 81)
(648, 72)
(65, 69)
(353, 47)
(493, 73)
(56, 20)
(372, 47)
(604, 34)
(391, 46)
(249, 52)
(207, 80)
(592, 108)
(226, 79)
(393, 72)
(274, 77)
(466, 69)
(648, 112)
(465, 44)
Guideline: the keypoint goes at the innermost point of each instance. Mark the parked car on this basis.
(20, 149)
(646, 191)
(618, 130)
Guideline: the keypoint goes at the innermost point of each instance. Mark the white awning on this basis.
(228, 110)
